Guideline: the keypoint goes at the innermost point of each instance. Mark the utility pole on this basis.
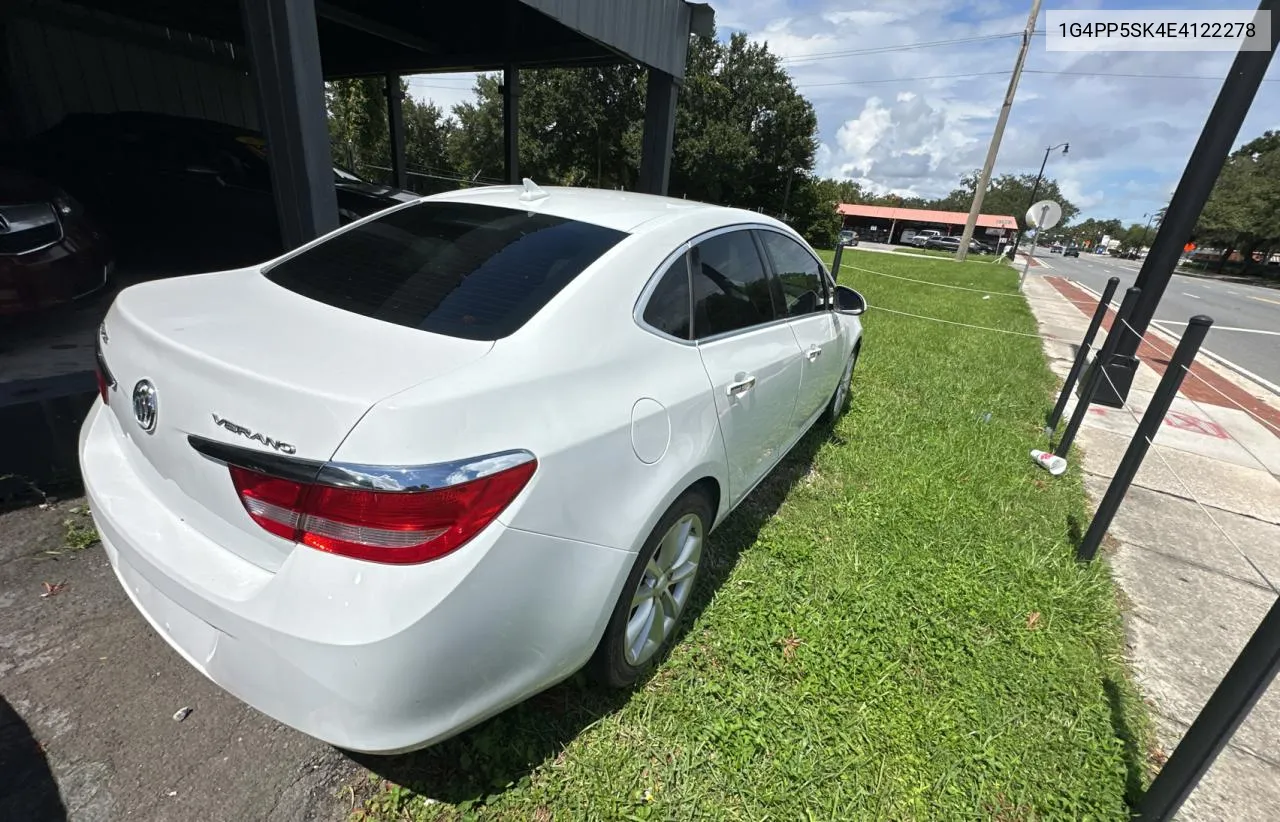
(985, 177)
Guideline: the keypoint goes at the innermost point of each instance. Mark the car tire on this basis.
(840, 398)
(628, 649)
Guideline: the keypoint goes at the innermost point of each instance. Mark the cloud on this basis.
(880, 123)
(900, 145)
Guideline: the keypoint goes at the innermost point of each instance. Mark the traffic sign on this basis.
(1044, 214)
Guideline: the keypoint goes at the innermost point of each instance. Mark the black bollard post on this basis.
(835, 263)
(1082, 355)
(1235, 696)
(1185, 354)
(1090, 384)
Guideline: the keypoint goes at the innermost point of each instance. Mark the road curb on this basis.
(1239, 375)
(1214, 363)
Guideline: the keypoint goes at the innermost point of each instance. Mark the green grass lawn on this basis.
(891, 627)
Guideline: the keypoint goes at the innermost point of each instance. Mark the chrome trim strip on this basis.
(408, 478)
(29, 217)
(290, 468)
(396, 478)
(642, 302)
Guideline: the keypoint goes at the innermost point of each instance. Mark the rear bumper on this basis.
(367, 657)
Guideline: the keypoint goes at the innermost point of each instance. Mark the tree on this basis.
(742, 129)
(1243, 211)
(357, 122)
(426, 140)
(359, 133)
(1092, 230)
(579, 126)
(1007, 195)
(475, 147)
(1136, 237)
(744, 136)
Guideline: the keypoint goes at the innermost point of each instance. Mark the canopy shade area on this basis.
(265, 62)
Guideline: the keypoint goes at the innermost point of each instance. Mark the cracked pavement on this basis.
(87, 697)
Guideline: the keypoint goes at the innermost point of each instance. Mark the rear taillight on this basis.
(102, 385)
(398, 527)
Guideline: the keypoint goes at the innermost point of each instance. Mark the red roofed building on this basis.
(886, 224)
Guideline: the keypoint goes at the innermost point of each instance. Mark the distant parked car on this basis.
(1071, 251)
(311, 478)
(1056, 248)
(953, 244)
(192, 193)
(51, 251)
(921, 238)
(848, 237)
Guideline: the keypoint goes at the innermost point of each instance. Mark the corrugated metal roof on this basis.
(924, 215)
(652, 32)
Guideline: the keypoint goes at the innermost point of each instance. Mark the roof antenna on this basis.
(532, 192)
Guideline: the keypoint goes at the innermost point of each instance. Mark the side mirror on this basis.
(849, 301)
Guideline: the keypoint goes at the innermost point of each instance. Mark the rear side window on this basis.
(668, 308)
(731, 289)
(460, 269)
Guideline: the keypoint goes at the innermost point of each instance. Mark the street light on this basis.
(1146, 230)
(1035, 189)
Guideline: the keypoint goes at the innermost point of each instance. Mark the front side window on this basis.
(464, 270)
(798, 272)
(731, 288)
(668, 308)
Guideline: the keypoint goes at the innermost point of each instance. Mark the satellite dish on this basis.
(1044, 214)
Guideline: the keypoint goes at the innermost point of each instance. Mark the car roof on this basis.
(620, 210)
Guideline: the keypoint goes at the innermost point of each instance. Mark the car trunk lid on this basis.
(236, 359)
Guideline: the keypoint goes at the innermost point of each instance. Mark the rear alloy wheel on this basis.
(840, 399)
(647, 614)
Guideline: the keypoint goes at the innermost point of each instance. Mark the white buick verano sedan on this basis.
(410, 474)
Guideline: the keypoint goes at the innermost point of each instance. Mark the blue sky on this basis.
(914, 120)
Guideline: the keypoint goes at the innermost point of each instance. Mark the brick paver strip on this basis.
(1155, 352)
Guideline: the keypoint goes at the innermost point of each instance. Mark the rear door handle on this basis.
(813, 353)
(737, 389)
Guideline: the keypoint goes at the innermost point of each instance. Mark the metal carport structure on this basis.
(290, 47)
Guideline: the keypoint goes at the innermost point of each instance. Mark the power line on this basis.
(1137, 76)
(828, 55)
(905, 79)
(1047, 72)
(416, 81)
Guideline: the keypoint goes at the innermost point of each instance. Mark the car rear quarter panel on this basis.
(566, 387)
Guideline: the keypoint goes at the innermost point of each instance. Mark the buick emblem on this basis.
(146, 405)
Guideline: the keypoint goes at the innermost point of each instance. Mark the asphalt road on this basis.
(1246, 317)
(88, 693)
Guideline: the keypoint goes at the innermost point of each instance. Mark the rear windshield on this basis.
(465, 270)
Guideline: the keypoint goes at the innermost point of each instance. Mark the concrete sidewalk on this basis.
(1198, 553)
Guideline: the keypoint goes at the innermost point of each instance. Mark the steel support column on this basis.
(395, 129)
(1198, 178)
(284, 51)
(511, 122)
(659, 132)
